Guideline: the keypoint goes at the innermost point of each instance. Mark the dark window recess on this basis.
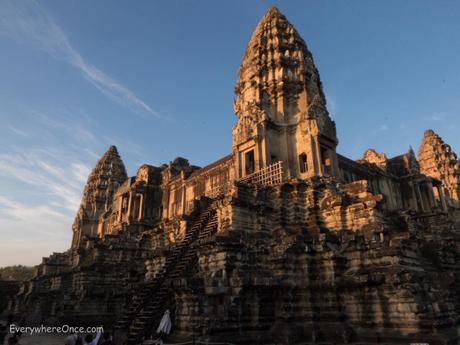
(303, 163)
(326, 160)
(137, 207)
(249, 162)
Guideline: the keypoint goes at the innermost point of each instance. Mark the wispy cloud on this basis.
(62, 180)
(41, 182)
(18, 131)
(42, 178)
(27, 19)
(11, 209)
(30, 232)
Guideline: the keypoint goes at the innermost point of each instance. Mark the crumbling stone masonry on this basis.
(282, 240)
(7, 291)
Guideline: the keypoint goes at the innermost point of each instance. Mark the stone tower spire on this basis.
(107, 175)
(437, 160)
(280, 104)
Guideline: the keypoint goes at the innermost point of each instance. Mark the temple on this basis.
(283, 240)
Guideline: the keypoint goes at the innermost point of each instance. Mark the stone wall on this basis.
(7, 290)
(280, 261)
(91, 289)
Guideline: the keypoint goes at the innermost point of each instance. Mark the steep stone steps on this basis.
(150, 302)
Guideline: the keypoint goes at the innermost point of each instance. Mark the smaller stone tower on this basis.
(108, 174)
(437, 160)
(280, 106)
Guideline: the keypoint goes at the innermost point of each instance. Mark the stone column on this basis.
(141, 207)
(419, 197)
(238, 168)
(257, 160)
(442, 197)
(184, 198)
(130, 204)
(100, 229)
(120, 208)
(311, 154)
(432, 199)
(166, 204)
(264, 148)
(319, 163)
(413, 200)
(334, 163)
(75, 239)
(286, 149)
(78, 238)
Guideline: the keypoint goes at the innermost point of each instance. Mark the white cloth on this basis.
(165, 323)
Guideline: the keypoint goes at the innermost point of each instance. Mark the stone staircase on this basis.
(150, 302)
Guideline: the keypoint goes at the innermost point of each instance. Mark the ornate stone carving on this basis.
(371, 156)
(438, 160)
(249, 116)
(108, 174)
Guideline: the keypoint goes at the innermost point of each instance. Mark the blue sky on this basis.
(156, 79)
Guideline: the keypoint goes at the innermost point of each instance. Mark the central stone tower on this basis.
(281, 107)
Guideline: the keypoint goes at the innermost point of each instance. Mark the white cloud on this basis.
(38, 212)
(12, 209)
(42, 178)
(18, 131)
(31, 232)
(41, 185)
(27, 19)
(383, 127)
(57, 177)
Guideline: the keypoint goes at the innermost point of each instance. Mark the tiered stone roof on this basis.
(438, 160)
(277, 66)
(107, 175)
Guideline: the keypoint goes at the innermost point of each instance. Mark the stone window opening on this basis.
(418, 198)
(249, 162)
(137, 207)
(426, 198)
(124, 204)
(303, 165)
(325, 160)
